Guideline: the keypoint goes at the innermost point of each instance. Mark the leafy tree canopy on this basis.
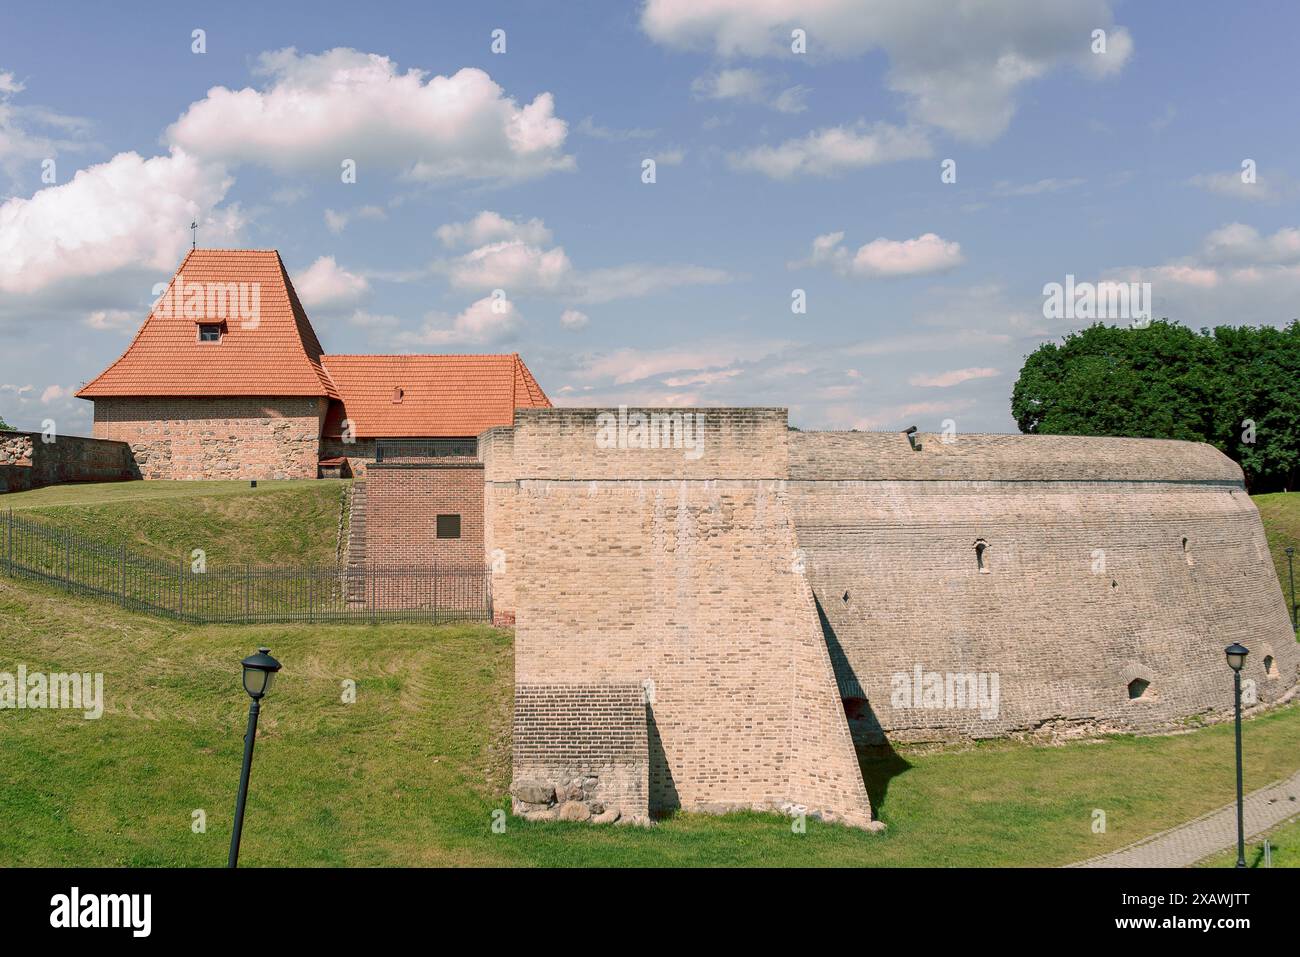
(1237, 388)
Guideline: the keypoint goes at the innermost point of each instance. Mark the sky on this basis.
(854, 210)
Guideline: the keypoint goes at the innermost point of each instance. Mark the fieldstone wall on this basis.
(217, 438)
(27, 461)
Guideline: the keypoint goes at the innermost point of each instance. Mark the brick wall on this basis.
(638, 564)
(403, 501)
(27, 461)
(219, 438)
(589, 737)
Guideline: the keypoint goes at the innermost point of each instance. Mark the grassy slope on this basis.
(291, 522)
(1281, 514)
(1285, 839)
(410, 773)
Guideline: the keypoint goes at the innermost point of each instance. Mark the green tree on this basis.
(1169, 382)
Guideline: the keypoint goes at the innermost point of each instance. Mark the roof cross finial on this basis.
(194, 235)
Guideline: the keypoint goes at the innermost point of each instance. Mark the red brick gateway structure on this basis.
(713, 611)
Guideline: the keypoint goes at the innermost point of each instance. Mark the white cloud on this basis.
(1048, 185)
(943, 380)
(513, 265)
(490, 227)
(834, 150)
(746, 85)
(1238, 275)
(588, 127)
(31, 134)
(670, 157)
(53, 393)
(113, 319)
(957, 66)
(325, 284)
(110, 217)
(520, 263)
(1239, 243)
(487, 320)
(634, 280)
(633, 365)
(319, 109)
(573, 319)
(336, 222)
(1267, 188)
(926, 254)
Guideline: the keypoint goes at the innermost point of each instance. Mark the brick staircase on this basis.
(355, 560)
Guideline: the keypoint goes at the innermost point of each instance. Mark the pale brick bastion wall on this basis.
(761, 585)
(1106, 561)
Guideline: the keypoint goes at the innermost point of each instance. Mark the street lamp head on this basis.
(258, 671)
(1236, 655)
(1290, 550)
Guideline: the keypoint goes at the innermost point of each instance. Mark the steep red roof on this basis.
(445, 395)
(267, 347)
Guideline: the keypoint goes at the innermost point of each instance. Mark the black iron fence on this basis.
(388, 450)
(191, 590)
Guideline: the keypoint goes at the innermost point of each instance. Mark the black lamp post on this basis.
(259, 669)
(1236, 659)
(1290, 572)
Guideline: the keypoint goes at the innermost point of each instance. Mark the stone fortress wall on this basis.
(1106, 562)
(767, 590)
(652, 568)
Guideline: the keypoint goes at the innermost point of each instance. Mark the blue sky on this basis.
(524, 173)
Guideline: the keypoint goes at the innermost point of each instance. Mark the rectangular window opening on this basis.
(449, 526)
(210, 332)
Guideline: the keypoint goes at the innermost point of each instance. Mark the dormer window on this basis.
(210, 332)
(397, 394)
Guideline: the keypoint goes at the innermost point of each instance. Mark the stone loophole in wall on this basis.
(981, 547)
(1270, 667)
(1138, 688)
(1187, 553)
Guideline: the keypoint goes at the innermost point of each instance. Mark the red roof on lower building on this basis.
(396, 396)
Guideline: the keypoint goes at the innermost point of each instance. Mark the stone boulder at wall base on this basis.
(533, 792)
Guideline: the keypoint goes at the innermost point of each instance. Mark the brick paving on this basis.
(1210, 833)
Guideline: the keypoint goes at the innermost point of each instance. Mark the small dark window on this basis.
(980, 547)
(1269, 670)
(1187, 553)
(210, 332)
(449, 526)
(397, 395)
(1137, 688)
(845, 597)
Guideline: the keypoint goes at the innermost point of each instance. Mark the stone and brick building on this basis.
(713, 611)
(227, 379)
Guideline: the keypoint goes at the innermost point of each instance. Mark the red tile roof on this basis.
(440, 395)
(268, 351)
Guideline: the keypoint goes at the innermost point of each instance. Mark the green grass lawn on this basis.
(1285, 841)
(1280, 512)
(412, 772)
(288, 522)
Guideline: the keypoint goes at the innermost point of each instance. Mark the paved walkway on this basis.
(1210, 833)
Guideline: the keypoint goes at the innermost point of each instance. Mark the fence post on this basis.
(11, 542)
(122, 560)
(180, 589)
(373, 602)
(248, 589)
